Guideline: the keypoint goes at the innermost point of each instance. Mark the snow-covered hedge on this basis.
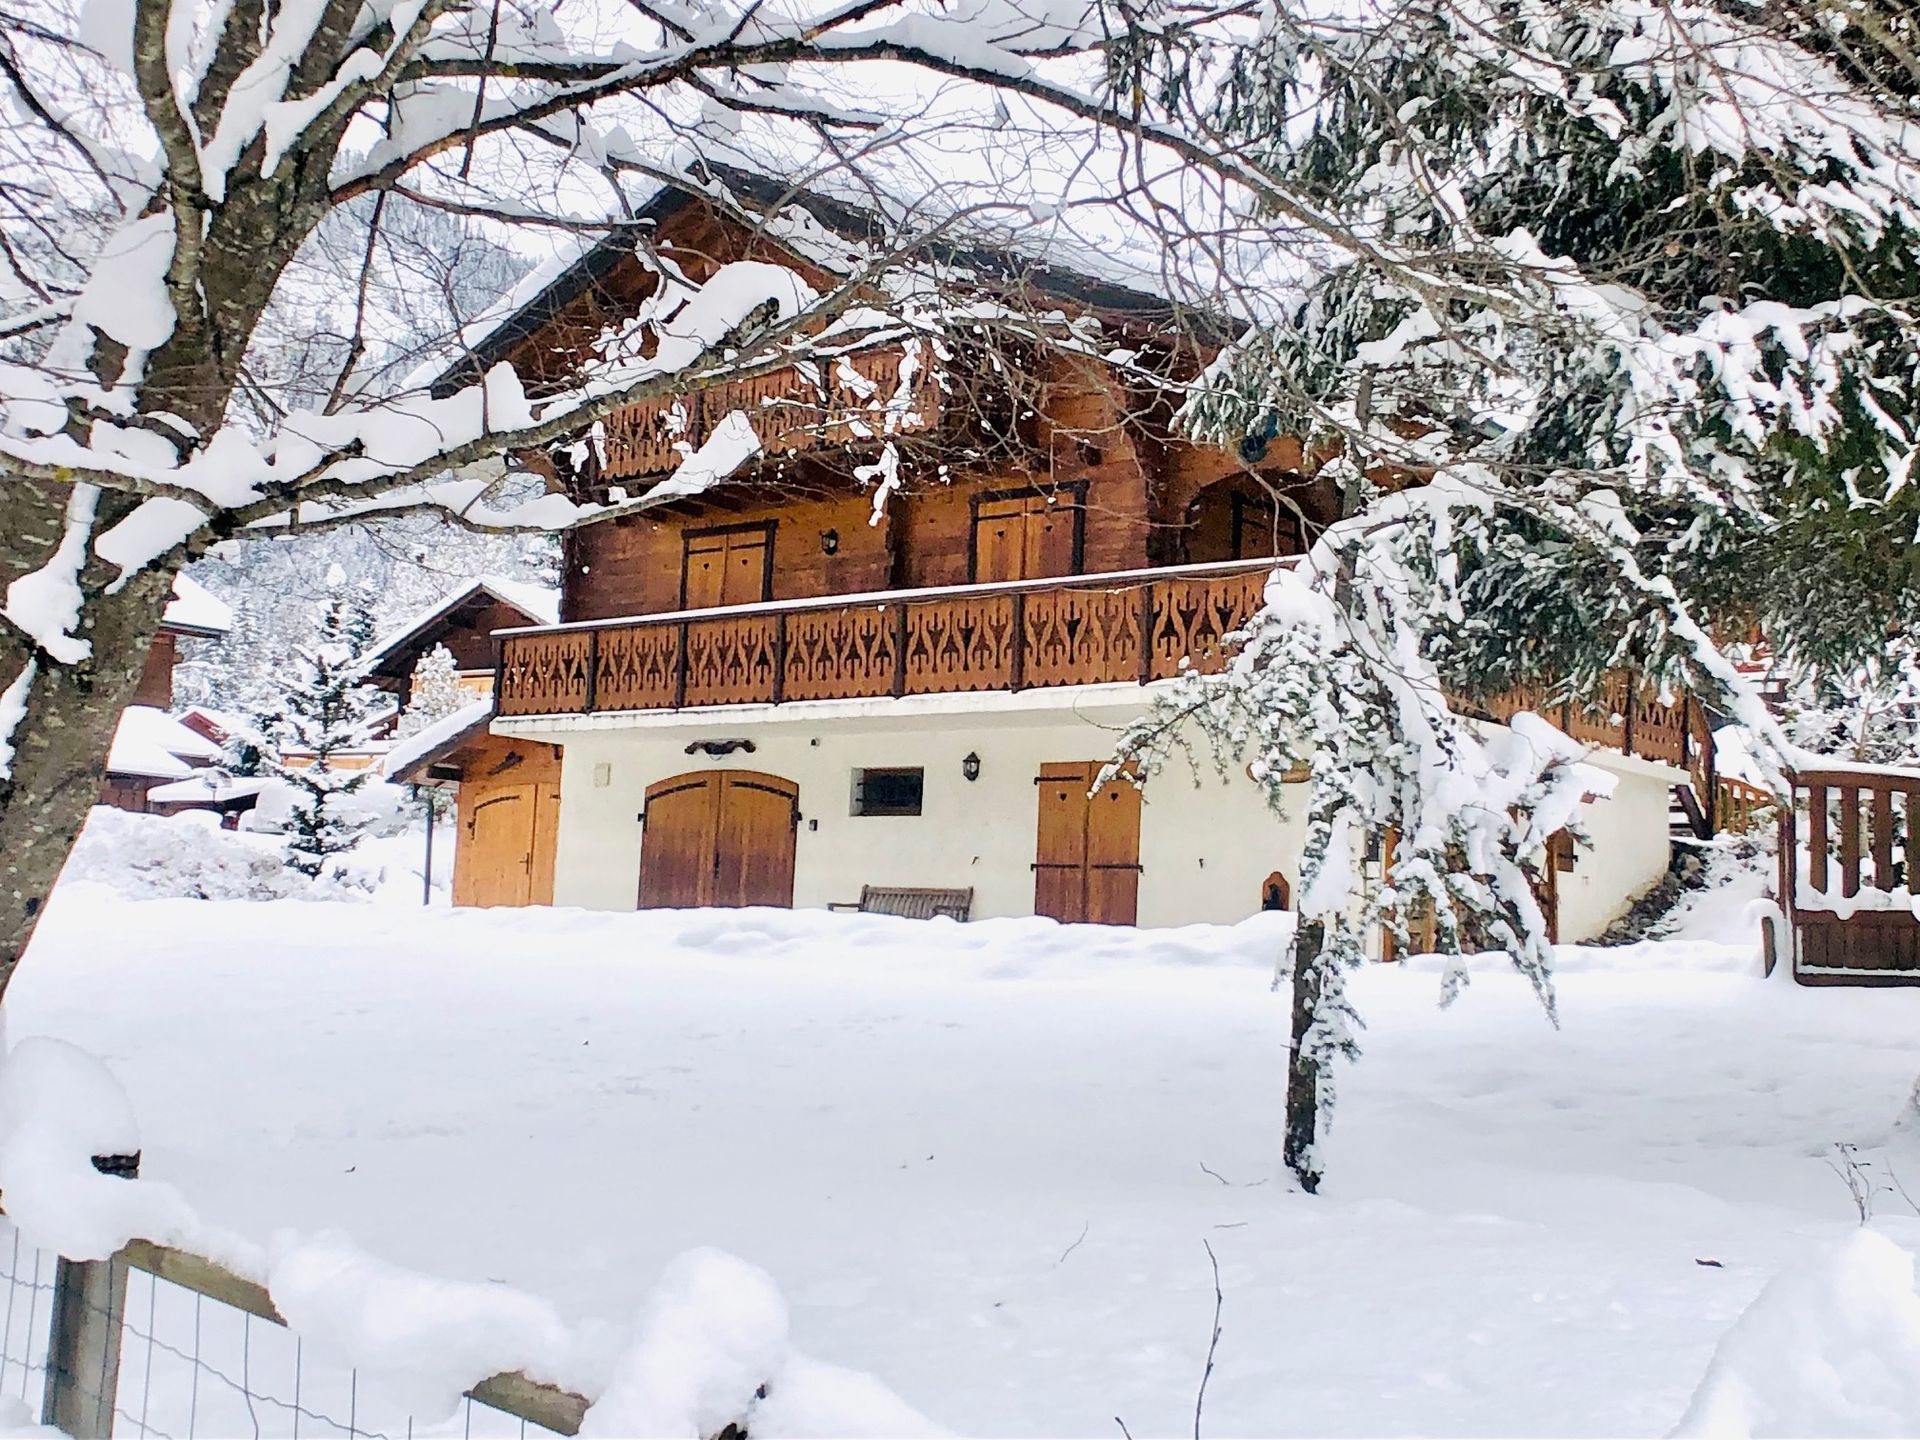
(189, 857)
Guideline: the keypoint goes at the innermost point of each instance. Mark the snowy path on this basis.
(972, 1156)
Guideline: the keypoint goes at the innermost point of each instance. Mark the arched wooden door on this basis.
(719, 837)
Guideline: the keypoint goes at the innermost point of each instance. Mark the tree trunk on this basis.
(60, 750)
(1303, 1071)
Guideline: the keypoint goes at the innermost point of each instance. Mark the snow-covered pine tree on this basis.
(325, 712)
(436, 692)
(1633, 287)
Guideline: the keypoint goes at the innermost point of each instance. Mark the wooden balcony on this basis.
(1083, 630)
(1627, 717)
(796, 408)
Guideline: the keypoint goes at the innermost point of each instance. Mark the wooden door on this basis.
(732, 566)
(499, 839)
(1026, 535)
(1087, 862)
(545, 841)
(719, 837)
(754, 834)
(676, 846)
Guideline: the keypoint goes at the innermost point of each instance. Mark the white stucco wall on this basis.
(1629, 851)
(1206, 845)
(1204, 850)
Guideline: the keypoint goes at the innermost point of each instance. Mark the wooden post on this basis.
(780, 656)
(593, 672)
(83, 1344)
(83, 1352)
(1146, 633)
(680, 671)
(1017, 660)
(899, 608)
(426, 878)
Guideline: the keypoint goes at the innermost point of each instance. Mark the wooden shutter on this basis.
(727, 567)
(1060, 860)
(677, 845)
(754, 840)
(1087, 862)
(1028, 535)
(1113, 853)
(999, 540)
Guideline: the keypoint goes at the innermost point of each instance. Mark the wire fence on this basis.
(115, 1349)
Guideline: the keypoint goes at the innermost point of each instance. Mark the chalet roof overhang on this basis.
(987, 268)
(390, 663)
(432, 766)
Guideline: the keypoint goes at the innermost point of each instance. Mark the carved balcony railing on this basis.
(1633, 719)
(1083, 630)
(1134, 627)
(799, 407)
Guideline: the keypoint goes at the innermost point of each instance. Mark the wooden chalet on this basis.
(760, 694)
(150, 749)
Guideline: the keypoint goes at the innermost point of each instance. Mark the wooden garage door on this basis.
(719, 837)
(1026, 535)
(499, 869)
(1087, 865)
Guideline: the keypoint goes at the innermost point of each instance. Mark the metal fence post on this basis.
(83, 1351)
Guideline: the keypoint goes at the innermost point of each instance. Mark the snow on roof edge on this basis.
(417, 748)
(196, 608)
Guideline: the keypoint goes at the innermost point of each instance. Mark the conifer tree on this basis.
(1634, 289)
(436, 692)
(325, 713)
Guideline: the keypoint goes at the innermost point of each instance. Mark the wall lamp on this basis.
(970, 767)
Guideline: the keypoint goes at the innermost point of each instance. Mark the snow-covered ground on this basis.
(983, 1162)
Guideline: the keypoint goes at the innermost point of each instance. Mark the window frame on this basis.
(859, 805)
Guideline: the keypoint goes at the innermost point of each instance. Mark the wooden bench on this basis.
(910, 902)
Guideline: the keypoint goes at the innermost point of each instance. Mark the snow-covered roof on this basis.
(208, 788)
(538, 601)
(152, 743)
(1041, 259)
(413, 750)
(196, 609)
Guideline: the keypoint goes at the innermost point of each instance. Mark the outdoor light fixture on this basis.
(970, 767)
(829, 542)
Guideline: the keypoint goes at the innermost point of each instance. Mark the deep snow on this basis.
(976, 1159)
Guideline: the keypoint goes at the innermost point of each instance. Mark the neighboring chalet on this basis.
(150, 748)
(507, 790)
(757, 697)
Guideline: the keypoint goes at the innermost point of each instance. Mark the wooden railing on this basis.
(1627, 717)
(1084, 630)
(1740, 807)
(1848, 853)
(829, 402)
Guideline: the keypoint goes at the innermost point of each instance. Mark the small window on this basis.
(888, 792)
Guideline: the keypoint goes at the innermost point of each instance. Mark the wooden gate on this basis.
(1087, 862)
(719, 837)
